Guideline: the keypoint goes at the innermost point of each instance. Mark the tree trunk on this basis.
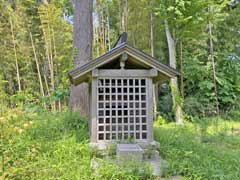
(213, 65)
(97, 41)
(174, 84)
(101, 27)
(37, 65)
(49, 55)
(15, 55)
(156, 97)
(47, 33)
(108, 30)
(182, 71)
(124, 15)
(46, 84)
(102, 33)
(83, 35)
(152, 34)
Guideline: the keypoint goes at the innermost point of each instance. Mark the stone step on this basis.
(129, 152)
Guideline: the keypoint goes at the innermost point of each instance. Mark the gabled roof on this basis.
(81, 73)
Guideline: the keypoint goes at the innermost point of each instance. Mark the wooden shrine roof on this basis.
(82, 73)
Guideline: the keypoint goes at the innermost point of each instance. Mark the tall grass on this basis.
(50, 146)
(199, 151)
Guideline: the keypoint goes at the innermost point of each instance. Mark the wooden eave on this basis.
(82, 73)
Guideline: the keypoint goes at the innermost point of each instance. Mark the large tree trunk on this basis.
(174, 84)
(83, 36)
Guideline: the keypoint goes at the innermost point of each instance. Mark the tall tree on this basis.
(180, 22)
(174, 84)
(83, 36)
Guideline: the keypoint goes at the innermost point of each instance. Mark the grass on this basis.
(202, 150)
(55, 146)
(50, 146)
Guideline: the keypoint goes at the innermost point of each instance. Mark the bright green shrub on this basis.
(160, 121)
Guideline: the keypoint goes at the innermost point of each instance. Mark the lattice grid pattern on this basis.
(121, 109)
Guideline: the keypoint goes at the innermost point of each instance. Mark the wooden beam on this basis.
(126, 73)
(95, 73)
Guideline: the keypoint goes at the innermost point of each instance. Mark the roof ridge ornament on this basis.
(121, 39)
(123, 58)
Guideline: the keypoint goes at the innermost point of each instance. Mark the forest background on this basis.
(37, 50)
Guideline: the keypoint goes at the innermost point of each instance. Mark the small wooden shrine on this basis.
(121, 86)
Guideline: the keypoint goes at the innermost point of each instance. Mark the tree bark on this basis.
(83, 36)
(174, 84)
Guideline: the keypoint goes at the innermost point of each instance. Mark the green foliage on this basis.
(198, 106)
(52, 41)
(233, 114)
(160, 121)
(55, 146)
(165, 103)
(51, 29)
(178, 99)
(68, 123)
(216, 156)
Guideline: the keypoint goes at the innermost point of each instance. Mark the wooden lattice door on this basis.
(122, 109)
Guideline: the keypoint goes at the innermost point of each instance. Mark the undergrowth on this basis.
(54, 146)
(202, 150)
(50, 146)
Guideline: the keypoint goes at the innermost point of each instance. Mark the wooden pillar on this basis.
(94, 110)
(150, 101)
(90, 109)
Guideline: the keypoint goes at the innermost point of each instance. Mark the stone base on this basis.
(141, 152)
(129, 152)
(99, 146)
(144, 145)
